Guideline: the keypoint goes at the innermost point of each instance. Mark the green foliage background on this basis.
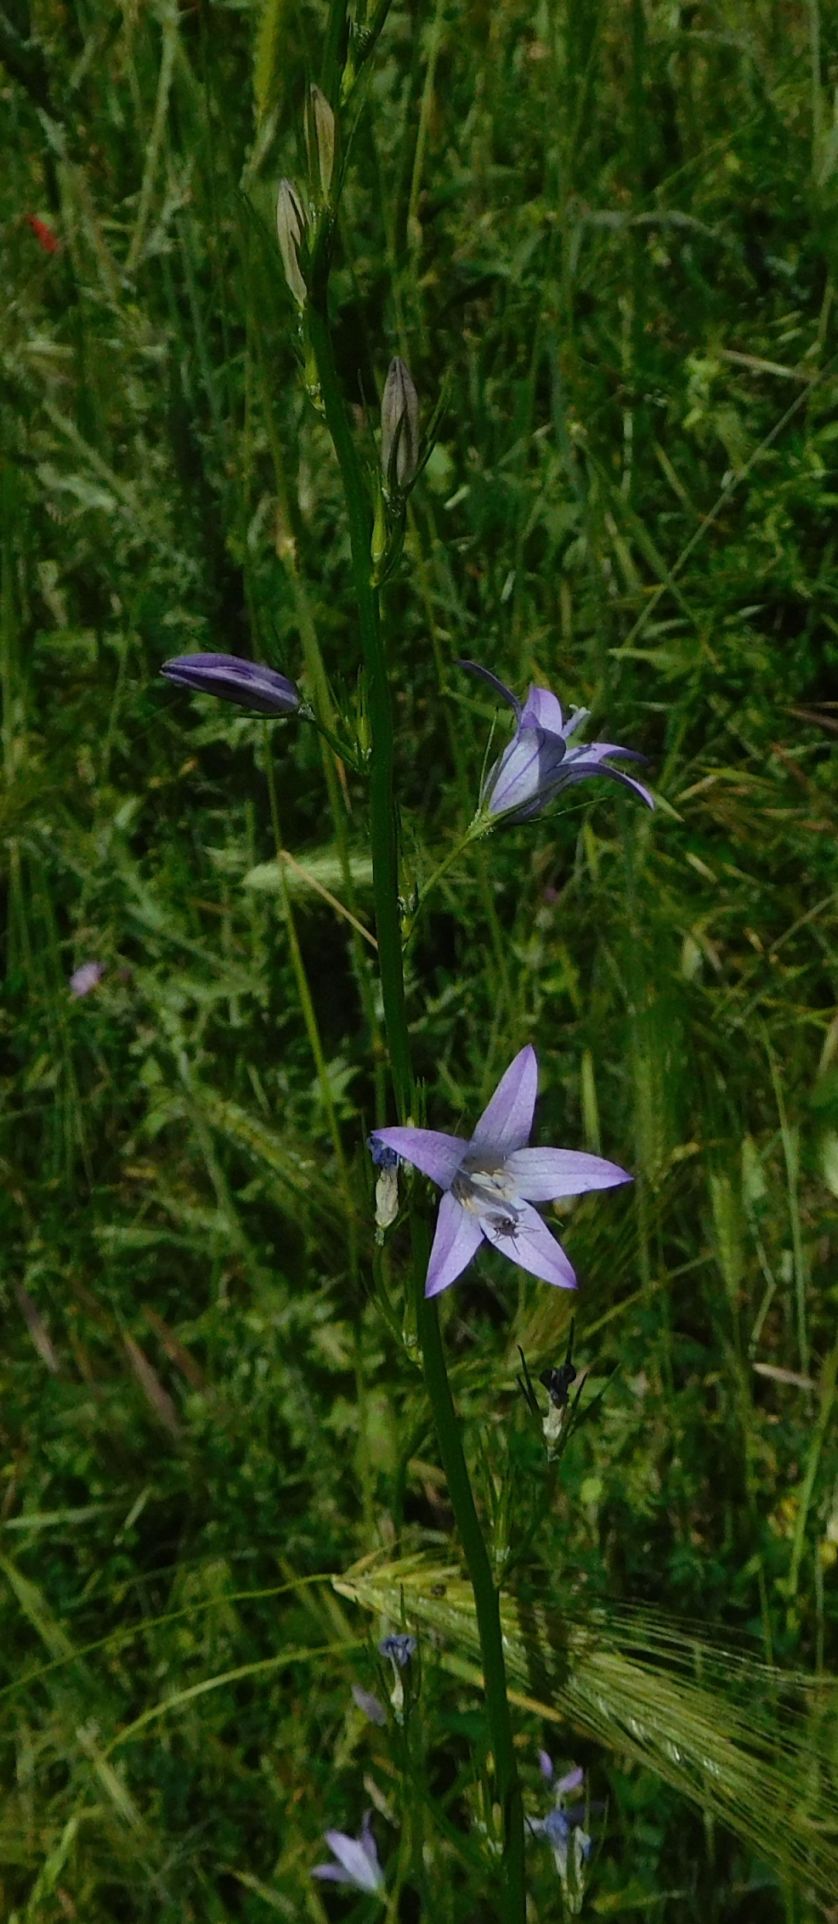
(612, 227)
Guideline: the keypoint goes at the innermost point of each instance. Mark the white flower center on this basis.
(484, 1188)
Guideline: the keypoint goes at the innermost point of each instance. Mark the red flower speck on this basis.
(43, 234)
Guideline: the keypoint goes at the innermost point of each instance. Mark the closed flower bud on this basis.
(399, 428)
(248, 683)
(290, 229)
(378, 541)
(321, 140)
(386, 1200)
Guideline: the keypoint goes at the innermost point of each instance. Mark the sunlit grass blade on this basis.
(733, 1735)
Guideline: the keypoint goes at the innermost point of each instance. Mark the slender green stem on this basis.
(475, 828)
(486, 1596)
(339, 748)
(307, 1006)
(384, 842)
(323, 709)
(333, 49)
(382, 804)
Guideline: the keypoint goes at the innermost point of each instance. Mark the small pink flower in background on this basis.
(44, 234)
(86, 977)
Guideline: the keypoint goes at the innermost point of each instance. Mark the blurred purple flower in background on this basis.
(491, 1183)
(572, 1779)
(538, 762)
(561, 1826)
(249, 683)
(369, 1705)
(86, 977)
(399, 1649)
(558, 1827)
(357, 1860)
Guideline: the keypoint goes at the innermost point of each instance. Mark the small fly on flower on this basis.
(503, 1226)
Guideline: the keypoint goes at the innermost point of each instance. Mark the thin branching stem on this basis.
(384, 840)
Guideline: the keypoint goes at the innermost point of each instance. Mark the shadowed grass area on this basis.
(610, 229)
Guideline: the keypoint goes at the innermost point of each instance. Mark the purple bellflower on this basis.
(233, 678)
(401, 1650)
(540, 761)
(490, 1183)
(357, 1860)
(562, 1827)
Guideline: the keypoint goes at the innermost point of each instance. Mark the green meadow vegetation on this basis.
(602, 233)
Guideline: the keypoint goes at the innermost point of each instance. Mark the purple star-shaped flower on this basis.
(249, 683)
(539, 761)
(491, 1183)
(357, 1860)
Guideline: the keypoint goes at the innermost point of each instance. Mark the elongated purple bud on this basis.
(249, 683)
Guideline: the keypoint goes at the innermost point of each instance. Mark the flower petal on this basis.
(540, 1175)
(527, 775)
(234, 678)
(86, 977)
(542, 709)
(507, 1119)
(352, 1854)
(514, 780)
(367, 1840)
(581, 770)
(458, 1237)
(437, 1155)
(369, 1706)
(557, 1827)
(599, 751)
(532, 1247)
(500, 688)
(399, 1648)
